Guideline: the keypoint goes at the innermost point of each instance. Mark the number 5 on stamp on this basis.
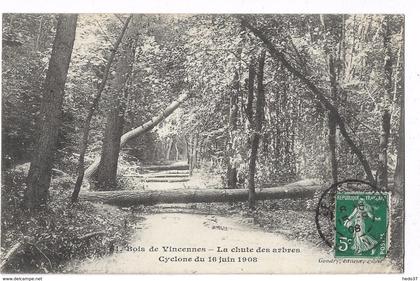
(361, 223)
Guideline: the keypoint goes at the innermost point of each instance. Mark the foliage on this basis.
(26, 47)
(56, 231)
(201, 54)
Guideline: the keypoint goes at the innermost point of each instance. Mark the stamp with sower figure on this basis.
(361, 223)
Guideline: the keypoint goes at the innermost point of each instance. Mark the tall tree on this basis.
(400, 167)
(39, 175)
(231, 172)
(386, 116)
(332, 123)
(91, 111)
(250, 100)
(333, 26)
(107, 173)
(256, 129)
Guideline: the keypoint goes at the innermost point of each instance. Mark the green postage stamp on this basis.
(361, 222)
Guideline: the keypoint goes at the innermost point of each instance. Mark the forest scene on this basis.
(118, 128)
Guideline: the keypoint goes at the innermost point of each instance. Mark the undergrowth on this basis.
(60, 232)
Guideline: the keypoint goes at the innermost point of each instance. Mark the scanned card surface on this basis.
(202, 143)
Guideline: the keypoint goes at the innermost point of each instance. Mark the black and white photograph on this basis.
(164, 143)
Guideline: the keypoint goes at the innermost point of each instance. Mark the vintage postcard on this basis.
(203, 143)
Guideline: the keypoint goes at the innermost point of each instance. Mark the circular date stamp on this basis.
(353, 217)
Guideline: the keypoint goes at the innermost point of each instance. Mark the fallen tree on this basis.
(151, 197)
(158, 176)
(166, 167)
(166, 180)
(91, 170)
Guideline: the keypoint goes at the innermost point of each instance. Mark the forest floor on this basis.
(49, 238)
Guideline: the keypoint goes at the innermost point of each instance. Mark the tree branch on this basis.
(316, 94)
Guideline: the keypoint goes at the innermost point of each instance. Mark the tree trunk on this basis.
(317, 94)
(383, 149)
(175, 167)
(39, 176)
(333, 30)
(176, 151)
(231, 175)
(168, 151)
(91, 111)
(386, 116)
(193, 154)
(332, 124)
(250, 101)
(151, 197)
(107, 173)
(400, 167)
(155, 120)
(231, 172)
(187, 150)
(256, 130)
(198, 154)
(285, 129)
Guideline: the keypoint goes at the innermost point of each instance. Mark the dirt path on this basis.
(210, 232)
(168, 178)
(172, 226)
